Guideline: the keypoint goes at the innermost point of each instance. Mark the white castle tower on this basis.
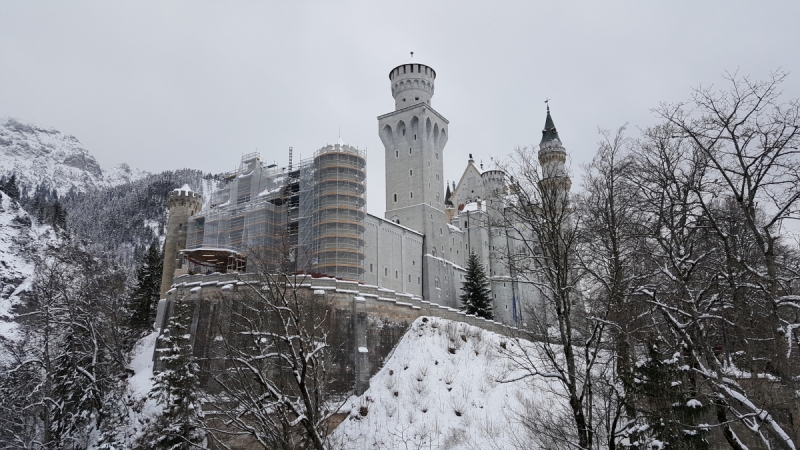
(414, 136)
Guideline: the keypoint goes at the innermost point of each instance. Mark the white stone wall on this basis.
(393, 256)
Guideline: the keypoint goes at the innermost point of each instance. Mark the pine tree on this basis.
(475, 296)
(145, 296)
(10, 187)
(177, 387)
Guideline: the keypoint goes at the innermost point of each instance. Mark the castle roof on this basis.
(184, 188)
(549, 134)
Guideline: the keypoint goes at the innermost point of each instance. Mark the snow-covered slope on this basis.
(22, 243)
(40, 154)
(441, 389)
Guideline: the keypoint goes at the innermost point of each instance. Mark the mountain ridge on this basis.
(38, 154)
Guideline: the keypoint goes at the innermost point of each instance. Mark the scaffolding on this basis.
(339, 211)
(308, 219)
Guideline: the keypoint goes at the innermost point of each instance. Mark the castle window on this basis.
(397, 153)
(411, 172)
(437, 155)
(437, 177)
(409, 150)
(386, 271)
(437, 196)
(441, 233)
(411, 194)
(415, 136)
(418, 280)
(404, 131)
(416, 98)
(436, 283)
(395, 197)
(396, 274)
(409, 278)
(404, 71)
(370, 267)
(412, 68)
(414, 263)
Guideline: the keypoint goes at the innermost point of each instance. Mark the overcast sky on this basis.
(166, 85)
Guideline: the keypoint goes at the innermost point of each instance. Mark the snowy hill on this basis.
(441, 389)
(22, 243)
(45, 155)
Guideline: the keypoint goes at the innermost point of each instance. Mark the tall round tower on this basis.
(553, 158)
(412, 83)
(182, 204)
(340, 203)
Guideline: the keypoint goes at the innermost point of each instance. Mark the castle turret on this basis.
(182, 204)
(553, 158)
(412, 83)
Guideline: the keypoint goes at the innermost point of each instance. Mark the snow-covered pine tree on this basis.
(144, 298)
(10, 187)
(475, 296)
(671, 408)
(177, 387)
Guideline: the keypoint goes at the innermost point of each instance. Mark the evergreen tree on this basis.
(59, 216)
(10, 187)
(177, 387)
(145, 295)
(670, 406)
(475, 296)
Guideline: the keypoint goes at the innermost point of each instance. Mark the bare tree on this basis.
(274, 386)
(717, 179)
(543, 253)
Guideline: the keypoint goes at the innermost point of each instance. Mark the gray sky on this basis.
(166, 85)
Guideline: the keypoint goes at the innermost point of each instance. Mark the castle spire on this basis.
(549, 134)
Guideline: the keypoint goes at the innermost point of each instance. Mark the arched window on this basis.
(396, 274)
(395, 197)
(411, 172)
(436, 283)
(386, 271)
(370, 267)
(411, 195)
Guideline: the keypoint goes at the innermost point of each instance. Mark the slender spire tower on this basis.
(553, 158)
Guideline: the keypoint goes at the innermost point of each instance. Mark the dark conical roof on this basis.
(447, 195)
(549, 133)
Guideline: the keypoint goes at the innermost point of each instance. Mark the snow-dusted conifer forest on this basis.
(670, 275)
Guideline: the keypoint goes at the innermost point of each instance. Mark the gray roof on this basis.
(549, 133)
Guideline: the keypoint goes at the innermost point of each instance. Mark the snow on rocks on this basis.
(441, 389)
(22, 242)
(39, 154)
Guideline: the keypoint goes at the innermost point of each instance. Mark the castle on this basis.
(312, 216)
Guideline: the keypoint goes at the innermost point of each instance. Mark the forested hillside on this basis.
(123, 220)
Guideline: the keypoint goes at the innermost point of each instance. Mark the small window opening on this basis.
(411, 172)
(395, 197)
(411, 195)
(404, 130)
(396, 275)
(386, 271)
(370, 267)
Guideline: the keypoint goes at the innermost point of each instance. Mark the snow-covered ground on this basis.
(22, 243)
(442, 389)
(140, 409)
